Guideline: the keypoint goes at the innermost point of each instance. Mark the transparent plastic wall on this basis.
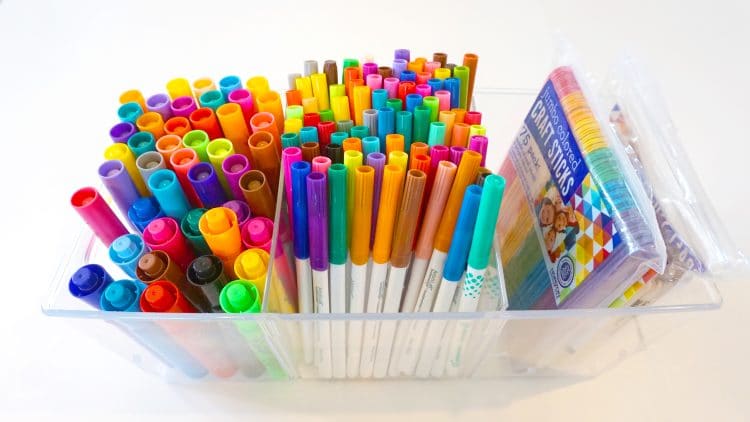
(272, 345)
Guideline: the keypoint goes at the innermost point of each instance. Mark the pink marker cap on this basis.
(257, 233)
(391, 85)
(321, 164)
(444, 100)
(163, 234)
(97, 214)
(244, 98)
(374, 81)
(424, 90)
(183, 106)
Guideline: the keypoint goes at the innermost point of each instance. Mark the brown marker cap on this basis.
(310, 150)
(385, 71)
(265, 157)
(332, 73)
(257, 193)
(406, 220)
(440, 57)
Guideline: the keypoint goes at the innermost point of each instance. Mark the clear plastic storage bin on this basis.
(485, 344)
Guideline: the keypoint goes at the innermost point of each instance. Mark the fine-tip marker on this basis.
(144, 211)
(191, 231)
(377, 161)
(90, 205)
(181, 161)
(218, 150)
(149, 163)
(126, 250)
(257, 233)
(453, 273)
(252, 265)
(197, 140)
(206, 184)
(403, 240)
(122, 131)
(359, 252)
(289, 156)
(157, 265)
(257, 193)
(88, 283)
(241, 210)
(352, 160)
(167, 145)
(265, 157)
(337, 231)
(299, 172)
(183, 106)
(205, 119)
(479, 255)
(234, 167)
(390, 196)
(221, 230)
(168, 193)
(317, 224)
(142, 142)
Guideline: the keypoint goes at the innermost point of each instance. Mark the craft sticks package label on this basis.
(570, 204)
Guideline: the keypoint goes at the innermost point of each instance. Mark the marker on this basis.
(234, 167)
(228, 84)
(163, 296)
(460, 134)
(473, 118)
(88, 283)
(211, 99)
(189, 229)
(163, 234)
(379, 96)
(360, 131)
(125, 252)
(222, 233)
(141, 142)
(310, 150)
(218, 150)
(420, 162)
(456, 153)
(257, 85)
(148, 163)
(385, 71)
(244, 99)
(448, 118)
(122, 296)
(288, 156)
(157, 265)
(167, 145)
(334, 151)
(265, 122)
(133, 96)
(370, 118)
(257, 233)
(97, 214)
(240, 209)
(176, 126)
(204, 180)
(481, 245)
(119, 184)
(438, 153)
(395, 103)
(337, 235)
(320, 89)
(202, 85)
(129, 112)
(143, 211)
(321, 164)
(340, 107)
(183, 106)
(479, 143)
(331, 70)
(265, 157)
(436, 84)
(394, 142)
(453, 272)
(234, 126)
(352, 160)
(291, 137)
(436, 134)
(308, 134)
(361, 219)
(370, 144)
(422, 89)
(151, 122)
(317, 217)
(122, 131)
(386, 125)
(197, 140)
(482, 174)
(390, 196)
(207, 273)
(270, 102)
(325, 130)
(299, 172)
(205, 119)
(167, 191)
(390, 84)
(258, 193)
(252, 265)
(344, 125)
(421, 123)
(412, 101)
(353, 144)
(399, 158)
(182, 160)
(123, 153)
(403, 240)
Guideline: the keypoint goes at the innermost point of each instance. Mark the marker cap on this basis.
(441, 187)
(244, 99)
(167, 191)
(143, 211)
(420, 162)
(126, 250)
(168, 144)
(206, 184)
(406, 221)
(222, 233)
(390, 195)
(189, 228)
(202, 85)
(479, 144)
(257, 193)
(122, 131)
(233, 125)
(317, 212)
(183, 106)
(321, 164)
(399, 158)
(362, 192)
(179, 87)
(234, 167)
(148, 163)
(163, 234)
(240, 296)
(123, 153)
(337, 233)
(205, 119)
(484, 232)
(116, 179)
(310, 150)
(241, 209)
(88, 283)
(455, 263)
(151, 122)
(211, 99)
(465, 175)
(257, 233)
(455, 154)
(229, 84)
(129, 112)
(122, 296)
(133, 96)
(252, 265)
(163, 296)
(197, 140)
(299, 172)
(181, 161)
(97, 214)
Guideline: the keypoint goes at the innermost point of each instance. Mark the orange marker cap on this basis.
(177, 125)
(233, 124)
(167, 145)
(419, 148)
(390, 195)
(460, 114)
(393, 142)
(270, 102)
(266, 122)
(465, 175)
(352, 144)
(221, 230)
(133, 96)
(460, 136)
(420, 162)
(364, 184)
(264, 157)
(151, 122)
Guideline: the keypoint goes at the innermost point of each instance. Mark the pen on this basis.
(403, 240)
(481, 244)
(359, 250)
(453, 272)
(390, 196)
(299, 172)
(317, 219)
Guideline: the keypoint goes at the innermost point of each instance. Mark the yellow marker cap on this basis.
(119, 151)
(340, 107)
(179, 87)
(320, 89)
(399, 158)
(304, 86)
(252, 265)
(390, 197)
(133, 96)
(352, 160)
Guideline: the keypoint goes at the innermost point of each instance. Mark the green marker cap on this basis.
(395, 103)
(350, 63)
(484, 231)
(189, 228)
(462, 73)
(197, 140)
(337, 214)
(326, 115)
(239, 296)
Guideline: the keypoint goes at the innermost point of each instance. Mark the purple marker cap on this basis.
(391, 86)
(402, 53)
(438, 153)
(206, 183)
(456, 153)
(377, 161)
(479, 143)
(241, 209)
(399, 65)
(122, 131)
(317, 218)
(118, 182)
(234, 167)
(183, 106)
(161, 104)
(369, 68)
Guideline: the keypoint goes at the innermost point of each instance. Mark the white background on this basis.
(63, 64)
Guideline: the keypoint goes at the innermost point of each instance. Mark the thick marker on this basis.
(206, 184)
(163, 234)
(125, 155)
(149, 163)
(125, 252)
(234, 167)
(189, 228)
(169, 194)
(88, 283)
(257, 193)
(205, 119)
(119, 184)
(157, 265)
(240, 209)
(122, 131)
(97, 214)
(207, 273)
(144, 211)
(222, 233)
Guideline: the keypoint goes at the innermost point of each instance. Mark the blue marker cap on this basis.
(228, 84)
(300, 170)
(435, 85)
(370, 144)
(413, 100)
(88, 283)
(454, 86)
(379, 97)
(122, 296)
(141, 142)
(126, 250)
(168, 192)
(308, 134)
(206, 184)
(408, 75)
(143, 211)
(458, 253)
(386, 124)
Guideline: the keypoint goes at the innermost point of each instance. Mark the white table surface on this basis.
(62, 66)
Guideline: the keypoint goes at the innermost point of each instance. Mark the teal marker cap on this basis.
(360, 132)
(337, 232)
(290, 139)
(484, 231)
(122, 296)
(141, 142)
(189, 228)
(239, 297)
